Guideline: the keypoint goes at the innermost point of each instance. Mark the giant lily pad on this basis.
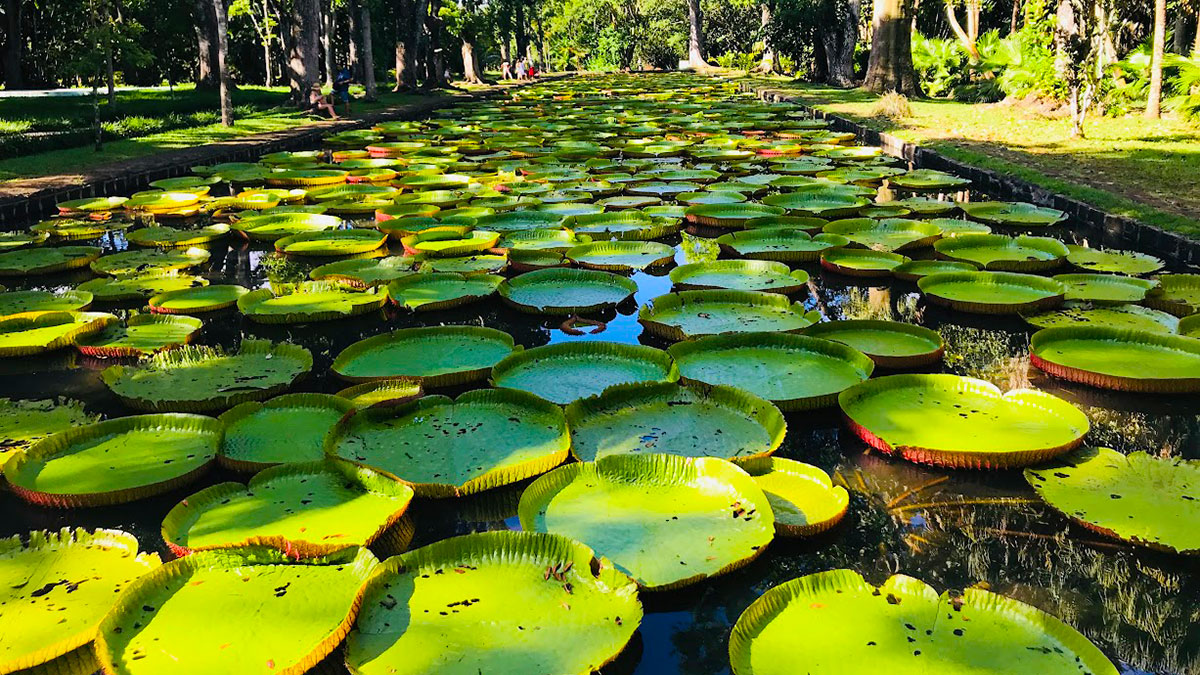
(621, 256)
(1132, 317)
(472, 264)
(928, 180)
(436, 356)
(1107, 261)
(432, 291)
(1116, 358)
(558, 241)
(76, 229)
(38, 332)
(405, 628)
(309, 301)
(566, 291)
(914, 270)
(780, 244)
(171, 237)
(46, 260)
(890, 344)
(1105, 289)
(690, 314)
(666, 521)
(856, 262)
(306, 509)
(903, 626)
(284, 430)
(365, 272)
(17, 302)
(196, 299)
(1145, 499)
(952, 227)
(446, 448)
(803, 497)
(1013, 214)
(998, 252)
(889, 234)
(23, 423)
(221, 600)
(448, 244)
(819, 203)
(740, 275)
(117, 461)
(198, 379)
(1178, 294)
(961, 422)
(569, 371)
(57, 588)
(11, 241)
(515, 221)
(270, 227)
(140, 286)
(140, 335)
(730, 215)
(623, 225)
(129, 263)
(696, 420)
(1190, 326)
(381, 393)
(332, 243)
(993, 292)
(794, 372)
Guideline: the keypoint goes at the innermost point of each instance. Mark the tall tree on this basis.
(890, 67)
(697, 57)
(368, 53)
(206, 49)
(840, 38)
(328, 31)
(259, 13)
(767, 65)
(304, 58)
(1154, 99)
(519, 29)
(222, 20)
(408, 27)
(1078, 46)
(14, 43)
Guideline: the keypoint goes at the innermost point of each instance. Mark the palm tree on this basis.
(222, 62)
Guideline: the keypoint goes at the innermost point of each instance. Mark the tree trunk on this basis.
(768, 56)
(304, 56)
(820, 65)
(13, 75)
(470, 74)
(1196, 39)
(1179, 34)
(1154, 100)
(328, 23)
(1014, 22)
(890, 67)
(435, 62)
(840, 40)
(964, 36)
(353, 49)
(219, 12)
(696, 55)
(110, 75)
(522, 37)
(406, 45)
(368, 53)
(206, 72)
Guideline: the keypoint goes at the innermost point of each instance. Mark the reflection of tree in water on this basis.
(997, 356)
(280, 269)
(1130, 431)
(882, 304)
(698, 249)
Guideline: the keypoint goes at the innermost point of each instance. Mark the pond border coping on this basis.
(1118, 231)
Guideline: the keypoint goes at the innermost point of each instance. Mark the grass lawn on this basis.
(1131, 166)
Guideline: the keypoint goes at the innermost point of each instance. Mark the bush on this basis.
(892, 105)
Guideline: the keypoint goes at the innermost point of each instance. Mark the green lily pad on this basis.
(57, 588)
(809, 225)
(803, 497)
(667, 521)
(448, 448)
(780, 244)
(856, 262)
(23, 423)
(818, 203)
(201, 379)
(1132, 317)
(382, 393)
(474, 264)
(952, 227)
(32, 261)
(91, 204)
(794, 372)
(169, 236)
(121, 460)
(1140, 498)
(993, 292)
(221, 600)
(129, 263)
(16, 302)
(1017, 214)
(426, 292)
(903, 626)
(961, 422)
(11, 241)
(621, 256)
(446, 244)
(436, 356)
(566, 291)
(287, 429)
(890, 344)
(140, 335)
(889, 234)
(998, 252)
(1116, 358)
(516, 221)
(303, 509)
(569, 371)
(1189, 326)
(691, 314)
(707, 198)
(542, 240)
(740, 275)
(404, 628)
(1105, 289)
(365, 272)
(914, 270)
(309, 301)
(696, 420)
(1178, 294)
(278, 225)
(1107, 261)
(393, 215)
(307, 177)
(623, 225)
(197, 299)
(730, 215)
(928, 180)
(331, 243)
(76, 229)
(39, 332)
(140, 287)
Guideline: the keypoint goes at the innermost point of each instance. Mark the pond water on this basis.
(952, 529)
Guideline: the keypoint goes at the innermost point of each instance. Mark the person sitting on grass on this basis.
(317, 102)
(341, 87)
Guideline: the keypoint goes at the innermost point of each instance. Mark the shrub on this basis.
(892, 105)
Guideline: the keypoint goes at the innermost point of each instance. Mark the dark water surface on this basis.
(951, 529)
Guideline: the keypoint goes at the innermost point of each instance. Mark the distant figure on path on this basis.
(341, 87)
(520, 69)
(506, 71)
(318, 102)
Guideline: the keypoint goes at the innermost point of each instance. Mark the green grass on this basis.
(1143, 169)
(74, 161)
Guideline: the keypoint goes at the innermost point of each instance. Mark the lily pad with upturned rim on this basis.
(39, 332)
(1002, 253)
(446, 447)
(1107, 261)
(333, 243)
(803, 497)
(436, 356)
(77, 229)
(795, 372)
(140, 335)
(691, 314)
(693, 420)
(161, 236)
(1120, 359)
(114, 462)
(17, 302)
(621, 256)
(890, 344)
(197, 299)
(780, 244)
(817, 203)
(740, 275)
(1190, 326)
(928, 180)
(276, 226)
(1145, 499)
(1105, 289)
(961, 422)
(141, 286)
(914, 270)
(854, 262)
(903, 626)
(46, 260)
(730, 215)
(433, 291)
(365, 272)
(889, 234)
(566, 291)
(1013, 214)
(23, 423)
(474, 264)
(1178, 294)
(405, 629)
(91, 204)
(667, 521)
(1133, 317)
(449, 244)
(953, 227)
(287, 429)
(12, 241)
(309, 301)
(569, 371)
(993, 292)
(623, 225)
(303, 509)
(128, 263)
